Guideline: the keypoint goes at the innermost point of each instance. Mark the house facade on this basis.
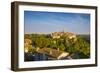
(59, 34)
(27, 45)
(68, 35)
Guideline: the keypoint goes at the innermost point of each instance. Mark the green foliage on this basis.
(40, 40)
(28, 36)
(80, 46)
(30, 49)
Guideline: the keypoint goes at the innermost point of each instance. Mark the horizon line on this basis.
(60, 31)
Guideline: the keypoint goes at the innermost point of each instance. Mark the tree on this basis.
(28, 36)
(61, 47)
(80, 46)
(53, 44)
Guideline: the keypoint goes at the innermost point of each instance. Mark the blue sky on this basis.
(48, 22)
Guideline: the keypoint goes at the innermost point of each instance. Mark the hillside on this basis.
(78, 46)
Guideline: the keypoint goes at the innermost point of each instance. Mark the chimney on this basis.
(58, 49)
(50, 51)
(37, 49)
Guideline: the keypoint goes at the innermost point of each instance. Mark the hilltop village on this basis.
(55, 46)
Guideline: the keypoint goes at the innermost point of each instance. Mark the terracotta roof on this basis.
(52, 52)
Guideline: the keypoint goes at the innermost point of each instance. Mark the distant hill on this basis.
(85, 37)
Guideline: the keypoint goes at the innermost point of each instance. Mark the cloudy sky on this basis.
(48, 22)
